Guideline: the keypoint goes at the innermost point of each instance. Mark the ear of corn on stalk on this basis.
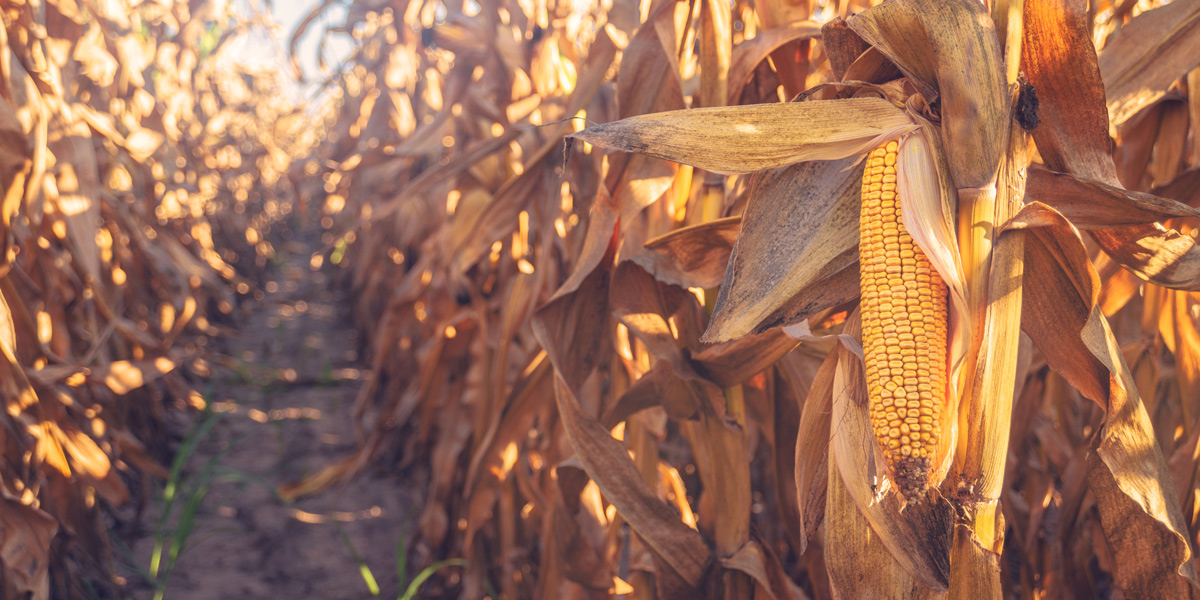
(904, 318)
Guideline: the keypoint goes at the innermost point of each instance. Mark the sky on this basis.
(259, 49)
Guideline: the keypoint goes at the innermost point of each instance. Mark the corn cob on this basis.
(904, 331)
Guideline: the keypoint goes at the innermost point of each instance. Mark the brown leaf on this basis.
(1058, 59)
(812, 450)
(646, 307)
(648, 82)
(1091, 204)
(842, 45)
(15, 161)
(1177, 326)
(25, 536)
(660, 386)
(579, 539)
(1059, 306)
(732, 362)
(1127, 472)
(1169, 148)
(750, 53)
(1147, 55)
(755, 561)
(693, 256)
(609, 465)
(571, 326)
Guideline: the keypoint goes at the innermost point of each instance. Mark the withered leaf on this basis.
(608, 464)
(1147, 55)
(1127, 472)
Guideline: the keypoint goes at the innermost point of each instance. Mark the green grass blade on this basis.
(428, 572)
(363, 570)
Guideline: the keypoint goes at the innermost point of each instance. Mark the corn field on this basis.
(730, 299)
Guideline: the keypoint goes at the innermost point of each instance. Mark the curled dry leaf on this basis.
(694, 256)
(1127, 473)
(1147, 55)
(1059, 60)
(608, 464)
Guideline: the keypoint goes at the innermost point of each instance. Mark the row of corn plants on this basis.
(141, 170)
(777, 299)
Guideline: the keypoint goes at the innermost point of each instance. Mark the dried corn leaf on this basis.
(1147, 55)
(693, 256)
(754, 561)
(1095, 205)
(750, 53)
(608, 464)
(812, 450)
(1127, 473)
(1073, 137)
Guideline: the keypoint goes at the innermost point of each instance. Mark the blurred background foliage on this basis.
(147, 170)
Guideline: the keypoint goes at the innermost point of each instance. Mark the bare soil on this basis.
(285, 384)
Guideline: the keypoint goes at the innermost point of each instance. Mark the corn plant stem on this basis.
(986, 415)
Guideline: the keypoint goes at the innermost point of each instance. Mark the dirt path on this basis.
(284, 387)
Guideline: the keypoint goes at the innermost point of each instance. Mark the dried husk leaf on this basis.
(927, 196)
(917, 535)
(950, 51)
(799, 231)
(859, 562)
(743, 139)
